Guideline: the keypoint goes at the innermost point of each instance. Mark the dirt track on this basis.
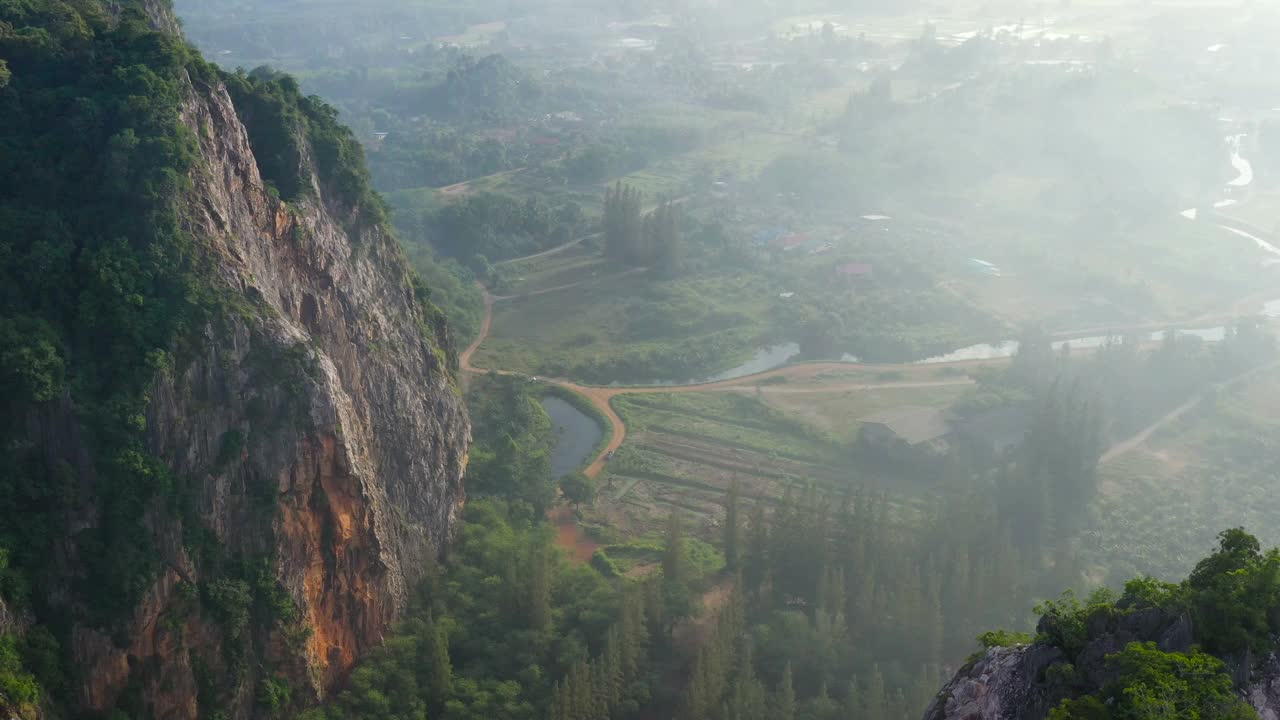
(601, 397)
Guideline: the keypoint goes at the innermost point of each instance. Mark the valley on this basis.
(590, 360)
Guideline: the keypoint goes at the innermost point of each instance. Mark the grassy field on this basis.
(684, 450)
(727, 418)
(838, 412)
(579, 263)
(629, 327)
(1161, 505)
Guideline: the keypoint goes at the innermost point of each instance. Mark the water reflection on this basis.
(576, 435)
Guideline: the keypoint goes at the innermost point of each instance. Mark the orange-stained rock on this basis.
(353, 443)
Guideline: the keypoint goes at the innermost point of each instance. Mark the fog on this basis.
(962, 304)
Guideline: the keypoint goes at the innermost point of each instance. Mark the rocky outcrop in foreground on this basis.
(1018, 683)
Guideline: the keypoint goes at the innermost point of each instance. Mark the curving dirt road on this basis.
(601, 397)
(1145, 434)
(570, 286)
(547, 253)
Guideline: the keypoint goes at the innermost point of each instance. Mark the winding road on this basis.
(601, 397)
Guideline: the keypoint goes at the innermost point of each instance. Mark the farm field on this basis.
(1160, 505)
(615, 326)
(684, 450)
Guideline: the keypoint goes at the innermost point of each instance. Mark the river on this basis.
(1271, 308)
(775, 356)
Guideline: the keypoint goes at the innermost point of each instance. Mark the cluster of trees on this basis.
(1075, 406)
(435, 157)
(617, 682)
(488, 89)
(854, 606)
(511, 445)
(487, 227)
(285, 129)
(636, 237)
(507, 628)
(1230, 597)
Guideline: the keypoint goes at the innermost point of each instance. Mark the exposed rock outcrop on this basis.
(318, 427)
(1020, 684)
(1002, 684)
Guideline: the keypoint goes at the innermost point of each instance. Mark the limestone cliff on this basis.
(321, 434)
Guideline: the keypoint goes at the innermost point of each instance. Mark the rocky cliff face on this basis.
(322, 436)
(1019, 683)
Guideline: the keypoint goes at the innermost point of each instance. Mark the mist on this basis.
(814, 340)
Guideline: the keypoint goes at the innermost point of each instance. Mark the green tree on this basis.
(732, 531)
(578, 489)
(1156, 684)
(18, 687)
(756, 564)
(675, 573)
(784, 698)
(1232, 593)
(435, 652)
(538, 608)
(874, 697)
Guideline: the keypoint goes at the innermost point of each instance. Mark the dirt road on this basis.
(601, 397)
(548, 253)
(570, 286)
(1125, 446)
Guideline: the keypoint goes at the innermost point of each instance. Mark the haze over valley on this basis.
(593, 360)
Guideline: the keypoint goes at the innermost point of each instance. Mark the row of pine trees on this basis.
(637, 237)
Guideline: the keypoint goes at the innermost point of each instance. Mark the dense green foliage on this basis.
(18, 687)
(512, 438)
(1155, 684)
(291, 134)
(490, 227)
(1230, 598)
(104, 291)
(100, 282)
(637, 237)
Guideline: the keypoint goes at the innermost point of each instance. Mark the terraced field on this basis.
(684, 450)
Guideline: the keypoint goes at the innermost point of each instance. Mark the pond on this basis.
(576, 434)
